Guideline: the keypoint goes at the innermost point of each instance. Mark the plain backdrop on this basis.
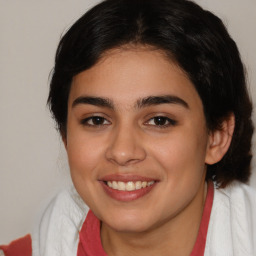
(33, 165)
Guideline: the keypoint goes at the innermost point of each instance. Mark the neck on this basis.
(176, 236)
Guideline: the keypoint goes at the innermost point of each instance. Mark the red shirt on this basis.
(90, 242)
(19, 247)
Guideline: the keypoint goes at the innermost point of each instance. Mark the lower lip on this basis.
(126, 196)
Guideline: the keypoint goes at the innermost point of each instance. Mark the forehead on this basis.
(124, 76)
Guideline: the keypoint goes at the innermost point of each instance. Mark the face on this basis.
(136, 140)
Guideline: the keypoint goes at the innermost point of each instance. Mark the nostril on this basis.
(125, 148)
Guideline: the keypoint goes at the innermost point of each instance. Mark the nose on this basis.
(126, 147)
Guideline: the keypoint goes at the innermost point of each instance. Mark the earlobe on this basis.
(220, 140)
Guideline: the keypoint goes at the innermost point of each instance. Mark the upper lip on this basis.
(126, 178)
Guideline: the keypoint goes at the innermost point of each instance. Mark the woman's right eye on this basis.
(95, 121)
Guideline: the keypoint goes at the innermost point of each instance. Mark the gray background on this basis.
(33, 163)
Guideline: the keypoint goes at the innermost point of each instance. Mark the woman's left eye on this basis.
(161, 121)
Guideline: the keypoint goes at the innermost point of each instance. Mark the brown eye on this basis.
(95, 121)
(161, 121)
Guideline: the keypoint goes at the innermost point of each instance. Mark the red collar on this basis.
(90, 242)
(199, 246)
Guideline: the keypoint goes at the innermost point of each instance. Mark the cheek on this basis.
(84, 154)
(181, 152)
(85, 159)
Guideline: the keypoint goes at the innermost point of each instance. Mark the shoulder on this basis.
(18, 247)
(239, 193)
(58, 231)
(240, 200)
(232, 226)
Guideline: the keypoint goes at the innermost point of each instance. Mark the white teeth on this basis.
(138, 184)
(144, 184)
(150, 183)
(121, 185)
(114, 185)
(130, 185)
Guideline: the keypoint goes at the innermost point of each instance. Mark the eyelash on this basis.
(92, 121)
(170, 122)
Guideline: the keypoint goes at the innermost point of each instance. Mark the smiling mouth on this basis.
(128, 186)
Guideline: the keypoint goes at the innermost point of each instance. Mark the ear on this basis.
(220, 140)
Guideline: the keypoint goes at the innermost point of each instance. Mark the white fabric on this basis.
(58, 233)
(232, 227)
(231, 232)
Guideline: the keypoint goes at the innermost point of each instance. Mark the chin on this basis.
(128, 223)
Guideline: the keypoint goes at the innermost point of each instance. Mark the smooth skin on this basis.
(123, 132)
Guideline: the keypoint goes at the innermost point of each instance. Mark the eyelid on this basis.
(171, 121)
(85, 121)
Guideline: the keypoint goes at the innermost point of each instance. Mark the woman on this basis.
(151, 102)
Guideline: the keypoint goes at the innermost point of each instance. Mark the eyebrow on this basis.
(163, 99)
(96, 101)
(141, 103)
